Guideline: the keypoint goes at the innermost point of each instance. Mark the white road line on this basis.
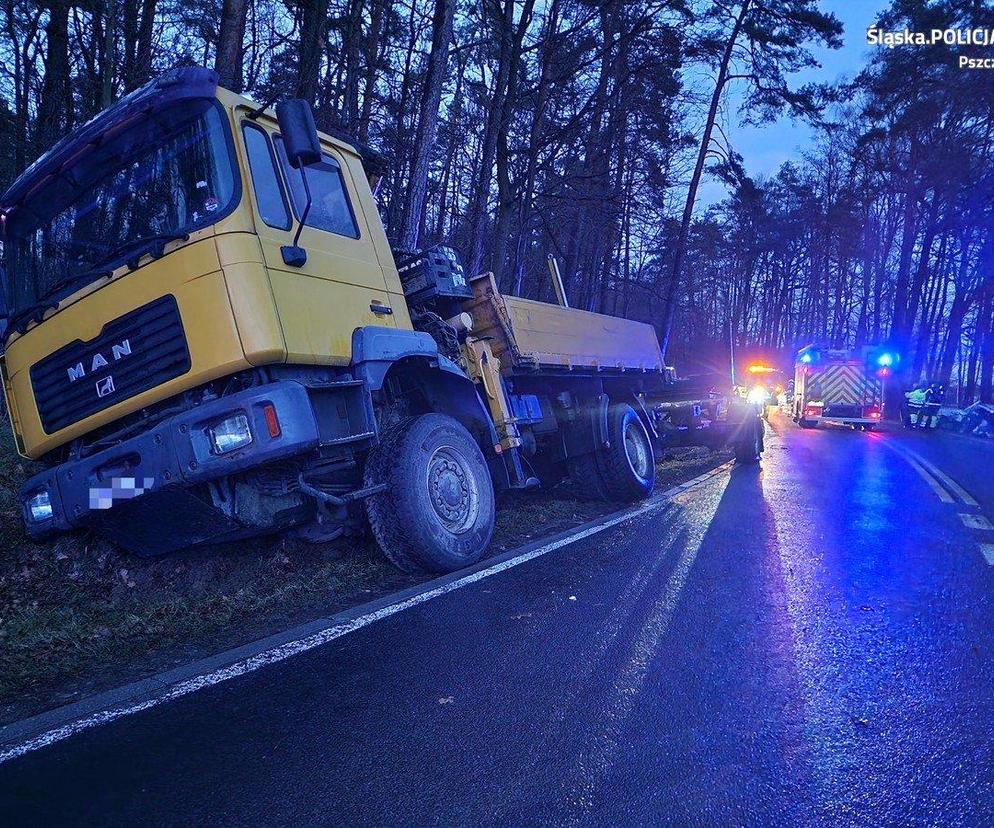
(971, 521)
(292, 648)
(951, 484)
(938, 473)
(936, 478)
(942, 494)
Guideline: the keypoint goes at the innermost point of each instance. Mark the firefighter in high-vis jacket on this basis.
(921, 405)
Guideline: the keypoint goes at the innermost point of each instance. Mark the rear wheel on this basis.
(806, 423)
(625, 469)
(438, 513)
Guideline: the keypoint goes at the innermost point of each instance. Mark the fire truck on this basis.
(844, 387)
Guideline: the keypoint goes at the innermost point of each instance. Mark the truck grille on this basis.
(133, 353)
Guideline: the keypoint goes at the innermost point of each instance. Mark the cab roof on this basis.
(74, 162)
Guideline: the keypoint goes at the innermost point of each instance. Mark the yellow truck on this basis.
(208, 337)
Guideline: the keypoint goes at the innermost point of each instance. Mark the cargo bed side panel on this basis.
(540, 335)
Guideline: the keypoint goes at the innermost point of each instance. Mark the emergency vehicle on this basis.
(844, 387)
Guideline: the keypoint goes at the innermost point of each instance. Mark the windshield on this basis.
(178, 177)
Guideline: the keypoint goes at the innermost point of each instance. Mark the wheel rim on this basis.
(452, 490)
(637, 449)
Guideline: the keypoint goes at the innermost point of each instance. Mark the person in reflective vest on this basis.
(914, 403)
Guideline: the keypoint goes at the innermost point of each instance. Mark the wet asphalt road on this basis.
(806, 643)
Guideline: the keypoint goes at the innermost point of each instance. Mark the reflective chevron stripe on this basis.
(847, 384)
(842, 384)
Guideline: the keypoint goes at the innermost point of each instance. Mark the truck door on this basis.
(341, 286)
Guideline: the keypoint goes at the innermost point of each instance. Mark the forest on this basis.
(516, 129)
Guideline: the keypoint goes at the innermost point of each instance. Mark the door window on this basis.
(265, 179)
(330, 207)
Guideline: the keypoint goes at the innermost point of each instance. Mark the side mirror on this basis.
(300, 135)
(303, 147)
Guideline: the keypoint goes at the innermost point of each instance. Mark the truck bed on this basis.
(527, 335)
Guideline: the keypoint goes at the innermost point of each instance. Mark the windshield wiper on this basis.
(35, 312)
(140, 246)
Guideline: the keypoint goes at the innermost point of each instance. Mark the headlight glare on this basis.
(758, 395)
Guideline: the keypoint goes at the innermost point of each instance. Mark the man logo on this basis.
(105, 386)
(117, 352)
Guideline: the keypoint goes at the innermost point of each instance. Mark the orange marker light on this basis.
(272, 421)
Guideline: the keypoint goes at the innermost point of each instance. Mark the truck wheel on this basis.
(749, 444)
(625, 470)
(438, 513)
(806, 423)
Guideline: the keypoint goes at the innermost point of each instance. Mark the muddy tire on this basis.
(438, 513)
(623, 471)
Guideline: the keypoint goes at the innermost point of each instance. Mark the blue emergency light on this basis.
(883, 362)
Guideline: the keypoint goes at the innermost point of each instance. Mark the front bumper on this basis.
(174, 454)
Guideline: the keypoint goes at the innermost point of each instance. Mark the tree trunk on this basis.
(312, 35)
(673, 287)
(449, 162)
(228, 62)
(583, 237)
(987, 355)
(478, 201)
(20, 82)
(372, 57)
(526, 197)
(400, 149)
(107, 55)
(505, 196)
(142, 69)
(54, 105)
(909, 230)
(427, 129)
(352, 37)
(981, 332)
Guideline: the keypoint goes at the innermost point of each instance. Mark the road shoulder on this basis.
(35, 732)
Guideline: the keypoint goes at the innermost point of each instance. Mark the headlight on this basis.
(758, 395)
(230, 434)
(40, 506)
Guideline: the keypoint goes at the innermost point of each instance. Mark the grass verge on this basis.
(78, 617)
